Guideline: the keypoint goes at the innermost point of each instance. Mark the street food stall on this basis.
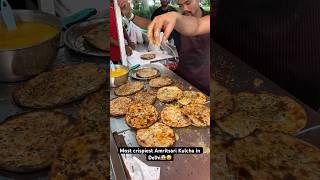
(146, 98)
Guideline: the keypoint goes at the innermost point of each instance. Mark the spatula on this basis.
(7, 16)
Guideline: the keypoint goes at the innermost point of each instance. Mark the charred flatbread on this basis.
(146, 72)
(29, 141)
(160, 82)
(157, 135)
(119, 106)
(169, 94)
(84, 157)
(148, 56)
(273, 156)
(194, 97)
(198, 114)
(172, 116)
(93, 112)
(129, 88)
(222, 101)
(145, 97)
(61, 85)
(98, 37)
(141, 115)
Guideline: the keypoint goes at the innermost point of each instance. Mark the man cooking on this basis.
(194, 52)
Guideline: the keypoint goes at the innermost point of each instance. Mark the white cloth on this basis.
(135, 33)
(138, 170)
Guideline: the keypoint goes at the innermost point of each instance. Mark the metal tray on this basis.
(186, 167)
(238, 76)
(73, 37)
(133, 74)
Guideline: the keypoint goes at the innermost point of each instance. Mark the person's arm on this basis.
(126, 11)
(126, 36)
(186, 25)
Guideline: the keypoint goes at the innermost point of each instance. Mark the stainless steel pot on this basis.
(118, 81)
(23, 63)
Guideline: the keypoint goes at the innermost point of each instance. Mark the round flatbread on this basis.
(145, 97)
(157, 135)
(129, 88)
(84, 157)
(169, 94)
(198, 114)
(119, 106)
(141, 115)
(160, 82)
(147, 72)
(238, 124)
(98, 37)
(93, 112)
(274, 156)
(29, 141)
(273, 113)
(222, 101)
(148, 56)
(61, 85)
(172, 116)
(194, 97)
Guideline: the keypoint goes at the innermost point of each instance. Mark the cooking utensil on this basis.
(78, 17)
(74, 40)
(118, 81)
(23, 63)
(7, 15)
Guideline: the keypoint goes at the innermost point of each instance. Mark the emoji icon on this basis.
(169, 157)
(163, 157)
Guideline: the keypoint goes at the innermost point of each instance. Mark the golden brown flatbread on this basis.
(198, 114)
(98, 37)
(93, 112)
(160, 82)
(84, 157)
(172, 116)
(61, 85)
(222, 101)
(141, 115)
(169, 93)
(193, 97)
(119, 106)
(29, 141)
(147, 72)
(157, 135)
(148, 56)
(263, 111)
(273, 156)
(145, 97)
(129, 88)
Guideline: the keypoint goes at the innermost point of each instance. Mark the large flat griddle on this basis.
(184, 166)
(238, 76)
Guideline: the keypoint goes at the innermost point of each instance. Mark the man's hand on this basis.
(125, 7)
(165, 22)
(132, 45)
(128, 51)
